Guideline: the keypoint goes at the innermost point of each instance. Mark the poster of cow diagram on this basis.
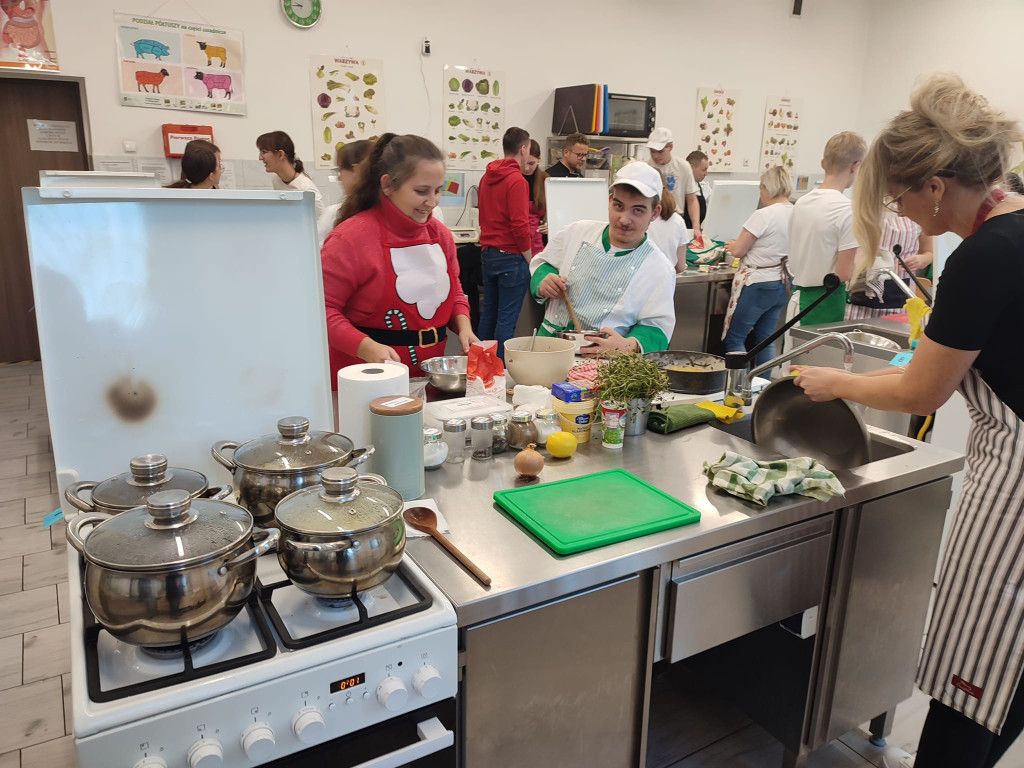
(185, 65)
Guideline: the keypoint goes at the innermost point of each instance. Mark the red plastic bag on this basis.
(485, 372)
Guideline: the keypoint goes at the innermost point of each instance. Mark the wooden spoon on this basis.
(424, 519)
(572, 312)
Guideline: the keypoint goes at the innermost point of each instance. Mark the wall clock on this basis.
(302, 13)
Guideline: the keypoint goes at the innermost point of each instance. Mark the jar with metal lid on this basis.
(499, 432)
(435, 449)
(482, 437)
(548, 423)
(521, 430)
(455, 437)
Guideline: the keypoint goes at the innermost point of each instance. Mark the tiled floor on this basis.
(35, 679)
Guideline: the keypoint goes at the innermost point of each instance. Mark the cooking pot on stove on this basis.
(343, 536)
(268, 468)
(171, 572)
(148, 474)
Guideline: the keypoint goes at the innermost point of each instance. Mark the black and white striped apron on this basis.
(974, 649)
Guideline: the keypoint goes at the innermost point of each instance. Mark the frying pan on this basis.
(709, 378)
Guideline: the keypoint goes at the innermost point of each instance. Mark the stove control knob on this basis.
(309, 726)
(427, 682)
(258, 742)
(151, 762)
(392, 694)
(206, 753)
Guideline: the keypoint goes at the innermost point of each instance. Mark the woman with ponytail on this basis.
(391, 277)
(200, 166)
(941, 163)
(277, 153)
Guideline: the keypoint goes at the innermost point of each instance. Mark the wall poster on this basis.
(715, 126)
(26, 35)
(473, 109)
(180, 65)
(780, 138)
(347, 102)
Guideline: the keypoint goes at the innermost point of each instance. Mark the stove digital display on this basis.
(348, 682)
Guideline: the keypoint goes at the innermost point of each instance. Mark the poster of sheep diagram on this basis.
(348, 103)
(473, 111)
(715, 126)
(780, 136)
(26, 35)
(180, 65)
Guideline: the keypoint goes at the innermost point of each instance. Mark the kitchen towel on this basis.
(677, 417)
(442, 524)
(358, 385)
(724, 413)
(758, 481)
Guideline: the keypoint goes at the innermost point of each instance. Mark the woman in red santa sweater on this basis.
(391, 278)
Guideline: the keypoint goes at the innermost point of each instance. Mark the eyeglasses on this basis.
(894, 204)
(580, 155)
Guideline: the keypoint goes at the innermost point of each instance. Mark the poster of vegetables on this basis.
(473, 109)
(715, 130)
(781, 137)
(347, 100)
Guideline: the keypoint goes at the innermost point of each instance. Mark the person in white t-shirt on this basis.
(678, 175)
(821, 231)
(277, 153)
(668, 230)
(759, 287)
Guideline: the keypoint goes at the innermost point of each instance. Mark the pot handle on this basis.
(218, 492)
(220, 458)
(360, 455)
(313, 546)
(71, 493)
(75, 524)
(272, 535)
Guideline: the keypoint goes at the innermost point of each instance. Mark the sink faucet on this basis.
(739, 381)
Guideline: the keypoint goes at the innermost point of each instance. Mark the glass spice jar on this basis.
(481, 437)
(499, 439)
(521, 430)
(435, 449)
(548, 423)
(455, 437)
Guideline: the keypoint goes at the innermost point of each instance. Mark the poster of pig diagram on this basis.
(781, 136)
(715, 126)
(472, 107)
(26, 35)
(180, 65)
(347, 103)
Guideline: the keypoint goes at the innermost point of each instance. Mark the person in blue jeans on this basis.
(759, 287)
(505, 237)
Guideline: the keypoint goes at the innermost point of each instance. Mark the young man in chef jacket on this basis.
(617, 279)
(678, 175)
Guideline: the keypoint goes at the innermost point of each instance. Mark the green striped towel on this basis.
(758, 481)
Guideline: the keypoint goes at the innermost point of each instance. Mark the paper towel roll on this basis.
(357, 386)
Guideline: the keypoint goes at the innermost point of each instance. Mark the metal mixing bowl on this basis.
(448, 374)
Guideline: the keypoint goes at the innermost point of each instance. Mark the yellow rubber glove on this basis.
(723, 413)
(917, 310)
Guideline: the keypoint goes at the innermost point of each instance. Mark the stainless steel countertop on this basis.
(525, 572)
(692, 276)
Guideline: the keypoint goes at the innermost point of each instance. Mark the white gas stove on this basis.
(290, 679)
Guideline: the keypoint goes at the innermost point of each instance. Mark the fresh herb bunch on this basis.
(630, 376)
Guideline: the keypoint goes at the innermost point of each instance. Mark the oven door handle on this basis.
(433, 738)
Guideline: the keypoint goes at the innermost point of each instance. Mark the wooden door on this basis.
(26, 98)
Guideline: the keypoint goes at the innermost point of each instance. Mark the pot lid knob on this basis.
(293, 427)
(169, 509)
(339, 481)
(149, 467)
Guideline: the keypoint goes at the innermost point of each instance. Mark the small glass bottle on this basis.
(499, 441)
(455, 437)
(481, 437)
(435, 449)
(522, 431)
(548, 423)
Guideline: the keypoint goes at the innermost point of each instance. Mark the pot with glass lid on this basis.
(341, 537)
(268, 468)
(171, 572)
(148, 474)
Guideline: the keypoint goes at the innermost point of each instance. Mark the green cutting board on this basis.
(593, 510)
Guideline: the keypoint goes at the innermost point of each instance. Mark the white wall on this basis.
(665, 48)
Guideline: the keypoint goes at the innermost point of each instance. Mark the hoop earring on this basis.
(935, 211)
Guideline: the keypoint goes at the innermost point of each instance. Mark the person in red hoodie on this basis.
(391, 277)
(506, 239)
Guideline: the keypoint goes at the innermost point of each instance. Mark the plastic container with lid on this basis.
(482, 437)
(435, 449)
(455, 437)
(521, 430)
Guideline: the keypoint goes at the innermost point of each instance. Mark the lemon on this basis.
(562, 445)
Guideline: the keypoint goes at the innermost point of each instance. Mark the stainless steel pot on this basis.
(342, 537)
(706, 372)
(268, 468)
(148, 474)
(170, 572)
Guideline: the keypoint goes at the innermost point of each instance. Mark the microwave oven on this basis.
(629, 116)
(591, 109)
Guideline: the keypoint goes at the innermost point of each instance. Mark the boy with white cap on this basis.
(678, 176)
(617, 279)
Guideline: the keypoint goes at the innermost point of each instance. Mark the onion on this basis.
(529, 463)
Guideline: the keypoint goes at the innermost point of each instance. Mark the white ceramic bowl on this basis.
(546, 365)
